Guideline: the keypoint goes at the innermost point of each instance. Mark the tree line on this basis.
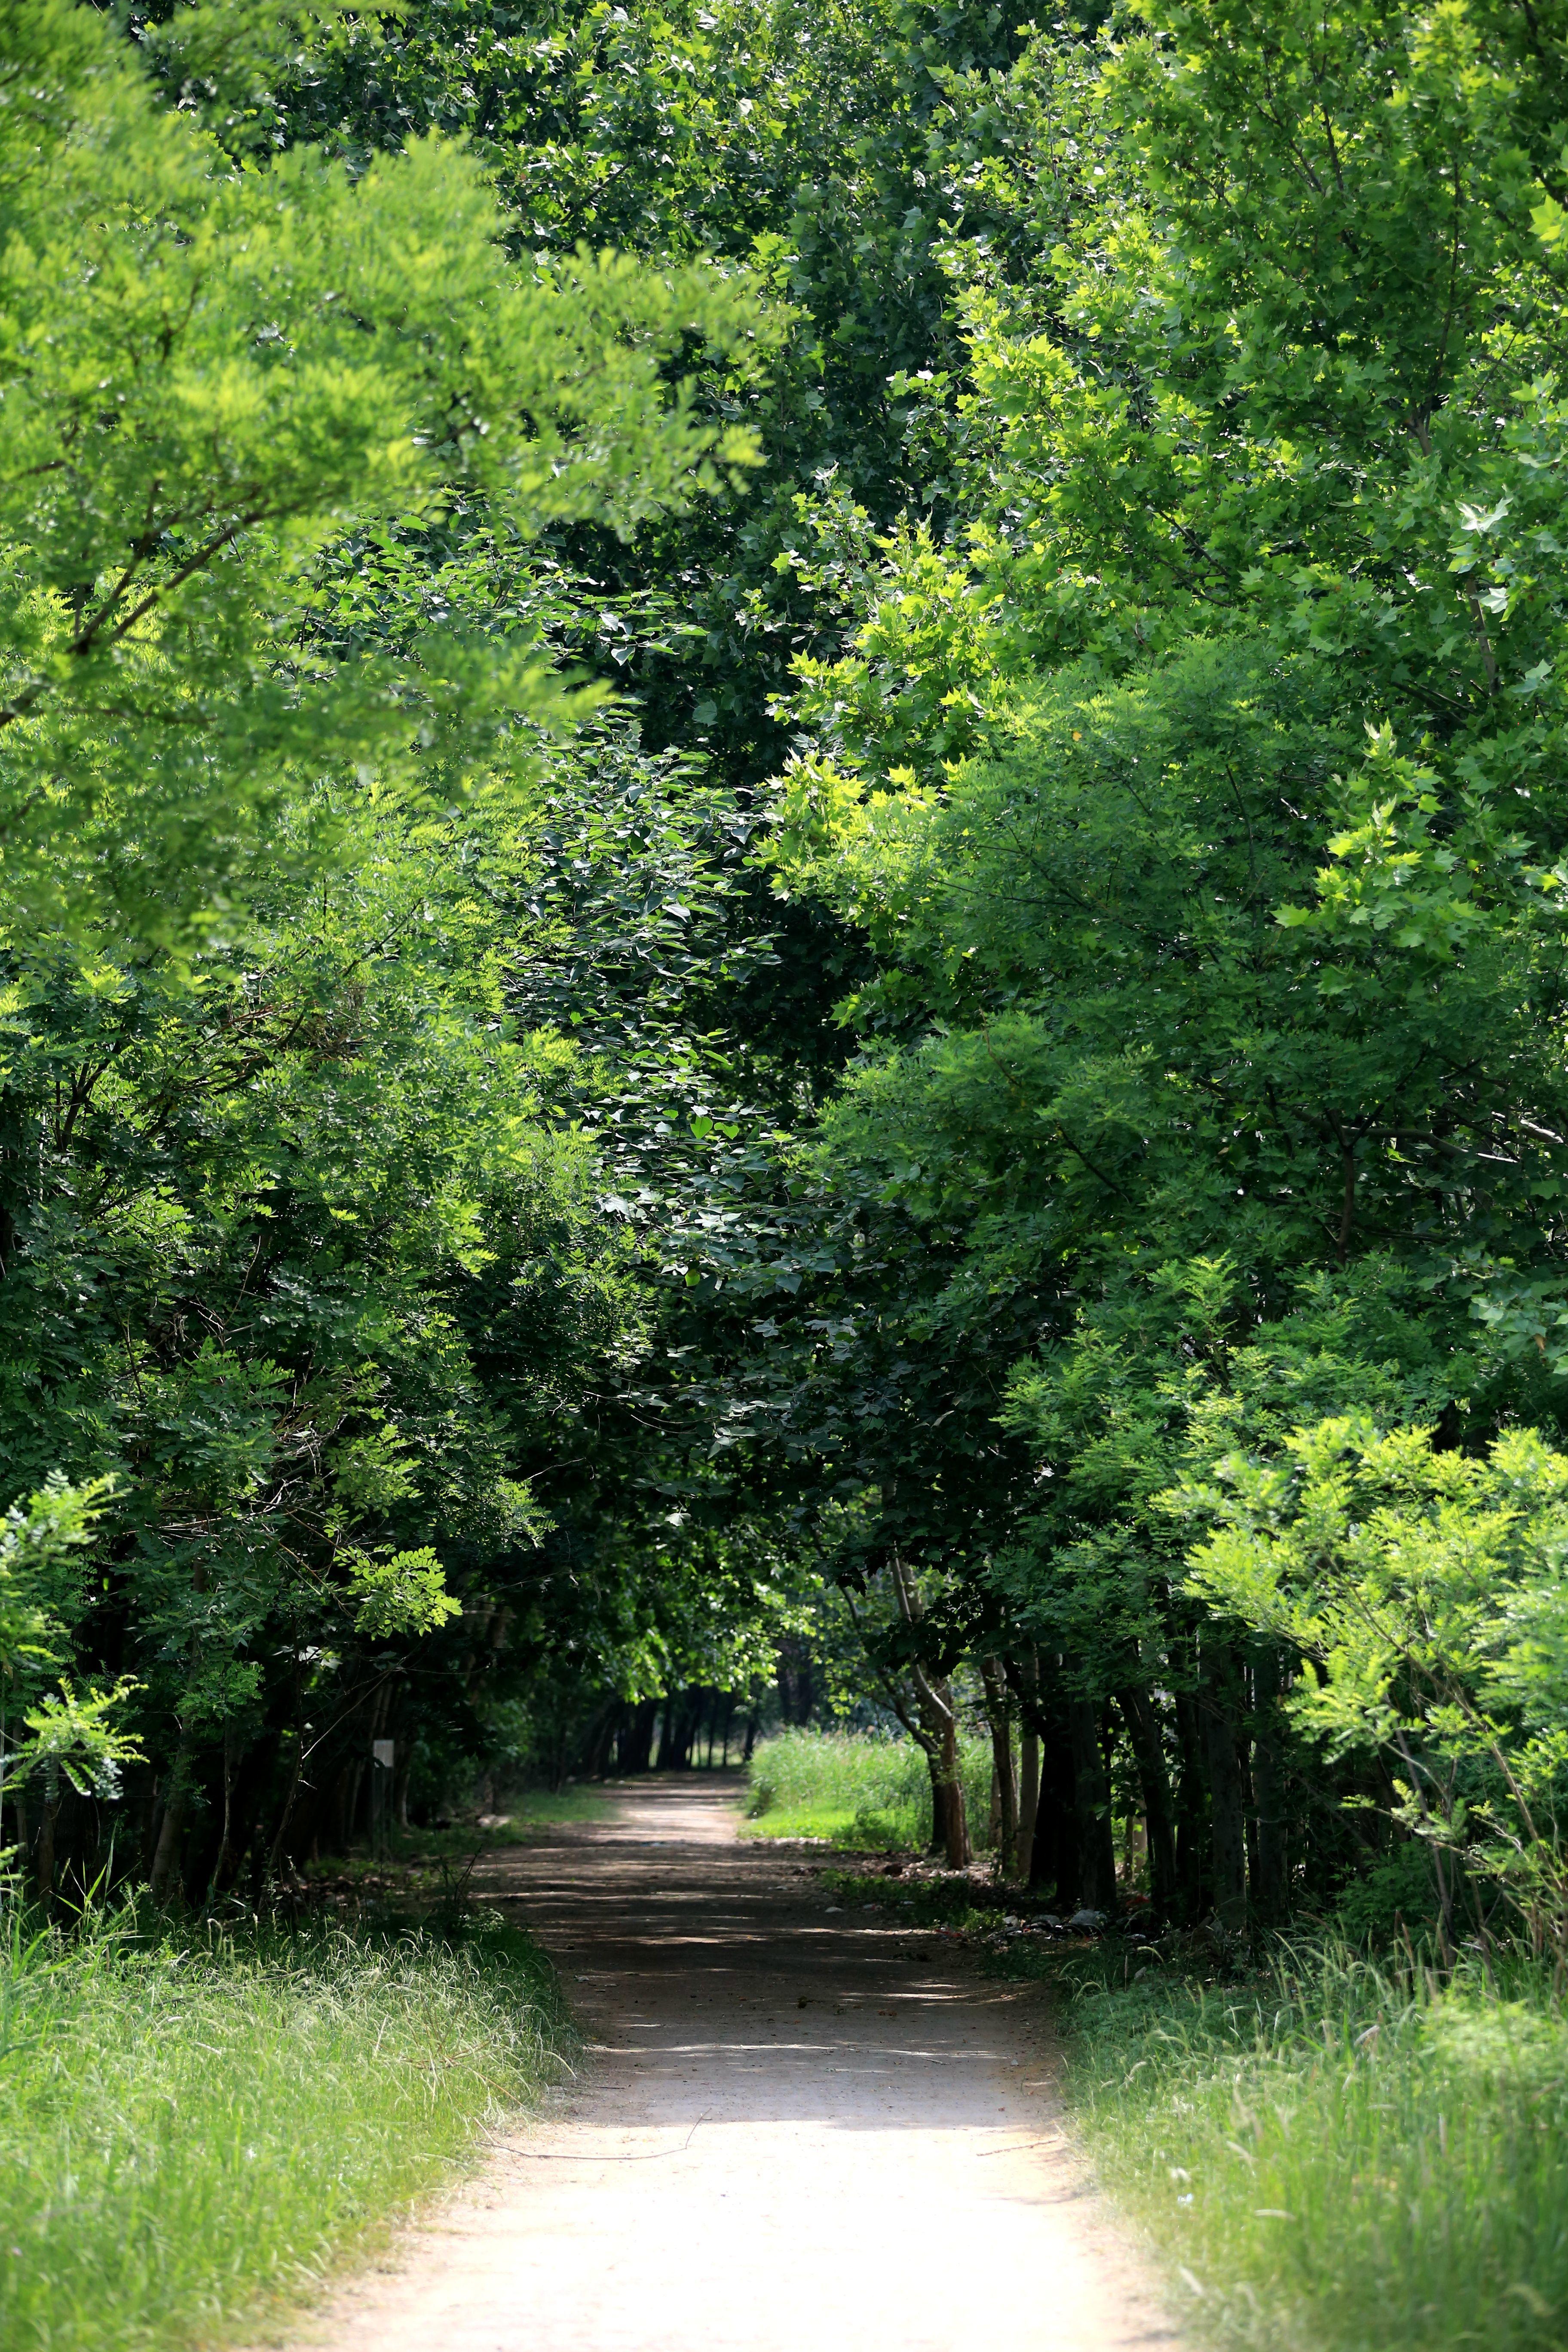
(784, 870)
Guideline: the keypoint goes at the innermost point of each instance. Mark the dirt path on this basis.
(799, 2127)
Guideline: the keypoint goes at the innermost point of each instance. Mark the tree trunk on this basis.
(296, 1772)
(24, 1828)
(637, 1748)
(1028, 1800)
(995, 1687)
(166, 1853)
(352, 1783)
(1159, 1812)
(672, 1735)
(936, 1731)
(254, 1775)
(1220, 1703)
(957, 1846)
(1191, 1825)
(1056, 1863)
(1023, 1679)
(46, 1862)
(937, 1843)
(218, 1873)
(1271, 1885)
(1091, 1806)
(797, 1689)
(950, 1827)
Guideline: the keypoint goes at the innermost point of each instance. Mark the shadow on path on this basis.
(810, 2127)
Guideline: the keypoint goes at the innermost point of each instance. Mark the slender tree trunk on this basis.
(995, 1683)
(1037, 1840)
(933, 1699)
(1271, 1885)
(1159, 1812)
(46, 1857)
(934, 1729)
(1191, 1825)
(1028, 1800)
(796, 1682)
(1024, 1678)
(938, 1840)
(1228, 1818)
(950, 1826)
(353, 1782)
(1091, 1805)
(275, 1853)
(636, 1755)
(220, 1860)
(166, 1853)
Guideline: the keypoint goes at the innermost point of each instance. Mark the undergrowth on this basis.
(421, 1863)
(1338, 2156)
(196, 2125)
(854, 1791)
(949, 1900)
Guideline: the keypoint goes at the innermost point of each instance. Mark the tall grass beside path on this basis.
(1338, 2156)
(857, 1789)
(192, 2129)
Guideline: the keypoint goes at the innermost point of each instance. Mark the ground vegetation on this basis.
(199, 2125)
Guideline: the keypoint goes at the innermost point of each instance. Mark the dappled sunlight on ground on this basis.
(802, 2121)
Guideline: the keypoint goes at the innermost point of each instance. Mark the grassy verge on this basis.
(849, 1790)
(525, 1817)
(1340, 2155)
(1328, 2154)
(194, 2129)
(432, 1866)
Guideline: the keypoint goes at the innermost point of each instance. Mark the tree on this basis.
(1196, 801)
(275, 437)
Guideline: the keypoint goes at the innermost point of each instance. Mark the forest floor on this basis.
(804, 2124)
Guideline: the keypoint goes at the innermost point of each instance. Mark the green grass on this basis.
(194, 2129)
(853, 1791)
(423, 1862)
(521, 1817)
(951, 1900)
(1336, 2156)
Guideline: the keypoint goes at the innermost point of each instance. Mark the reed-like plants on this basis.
(1344, 2155)
(194, 2127)
(857, 1790)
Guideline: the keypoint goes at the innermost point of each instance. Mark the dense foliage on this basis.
(842, 940)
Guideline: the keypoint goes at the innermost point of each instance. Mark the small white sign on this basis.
(381, 1752)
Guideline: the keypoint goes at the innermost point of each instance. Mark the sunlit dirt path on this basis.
(798, 2127)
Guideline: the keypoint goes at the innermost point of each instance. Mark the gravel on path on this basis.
(800, 2129)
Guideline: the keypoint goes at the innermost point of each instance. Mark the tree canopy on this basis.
(783, 859)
